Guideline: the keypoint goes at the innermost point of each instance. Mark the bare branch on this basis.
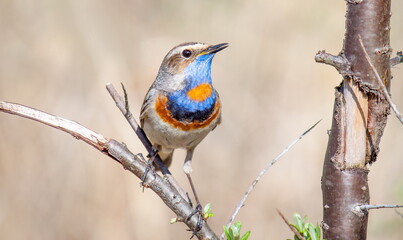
(380, 82)
(260, 175)
(117, 151)
(361, 209)
(293, 229)
(76, 130)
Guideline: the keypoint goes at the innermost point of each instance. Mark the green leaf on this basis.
(312, 233)
(234, 232)
(318, 231)
(307, 229)
(231, 233)
(207, 208)
(236, 228)
(228, 234)
(208, 215)
(298, 222)
(246, 235)
(207, 211)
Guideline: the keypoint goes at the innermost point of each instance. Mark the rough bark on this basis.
(359, 118)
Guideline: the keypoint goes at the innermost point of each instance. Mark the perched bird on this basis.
(182, 107)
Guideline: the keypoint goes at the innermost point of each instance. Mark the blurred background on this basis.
(57, 56)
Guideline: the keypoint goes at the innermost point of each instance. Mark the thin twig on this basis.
(382, 86)
(260, 175)
(361, 209)
(119, 152)
(293, 229)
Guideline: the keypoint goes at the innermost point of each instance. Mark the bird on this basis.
(182, 106)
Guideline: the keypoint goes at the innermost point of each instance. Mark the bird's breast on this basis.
(191, 109)
(200, 93)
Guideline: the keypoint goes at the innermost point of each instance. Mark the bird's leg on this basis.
(187, 168)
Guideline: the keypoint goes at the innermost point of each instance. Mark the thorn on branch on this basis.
(339, 62)
(396, 60)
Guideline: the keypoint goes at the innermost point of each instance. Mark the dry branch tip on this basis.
(339, 62)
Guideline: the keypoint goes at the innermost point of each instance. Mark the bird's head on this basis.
(188, 63)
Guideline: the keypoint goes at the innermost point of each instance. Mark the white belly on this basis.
(169, 137)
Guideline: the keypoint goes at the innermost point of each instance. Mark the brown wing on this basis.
(146, 104)
(219, 116)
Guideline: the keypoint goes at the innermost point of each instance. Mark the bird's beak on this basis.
(214, 49)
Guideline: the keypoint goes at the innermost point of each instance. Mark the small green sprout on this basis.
(308, 230)
(207, 211)
(205, 214)
(234, 232)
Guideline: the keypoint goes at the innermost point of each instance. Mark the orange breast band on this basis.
(166, 116)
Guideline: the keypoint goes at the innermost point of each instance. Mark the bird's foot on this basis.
(198, 212)
(150, 167)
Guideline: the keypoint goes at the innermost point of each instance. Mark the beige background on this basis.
(58, 55)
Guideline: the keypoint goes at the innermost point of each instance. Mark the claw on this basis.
(199, 224)
(150, 166)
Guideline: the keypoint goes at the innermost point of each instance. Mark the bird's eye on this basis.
(187, 53)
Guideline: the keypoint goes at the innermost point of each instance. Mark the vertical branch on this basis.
(370, 21)
(359, 117)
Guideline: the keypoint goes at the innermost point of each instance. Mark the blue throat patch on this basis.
(181, 106)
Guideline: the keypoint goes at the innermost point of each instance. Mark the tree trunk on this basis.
(359, 118)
